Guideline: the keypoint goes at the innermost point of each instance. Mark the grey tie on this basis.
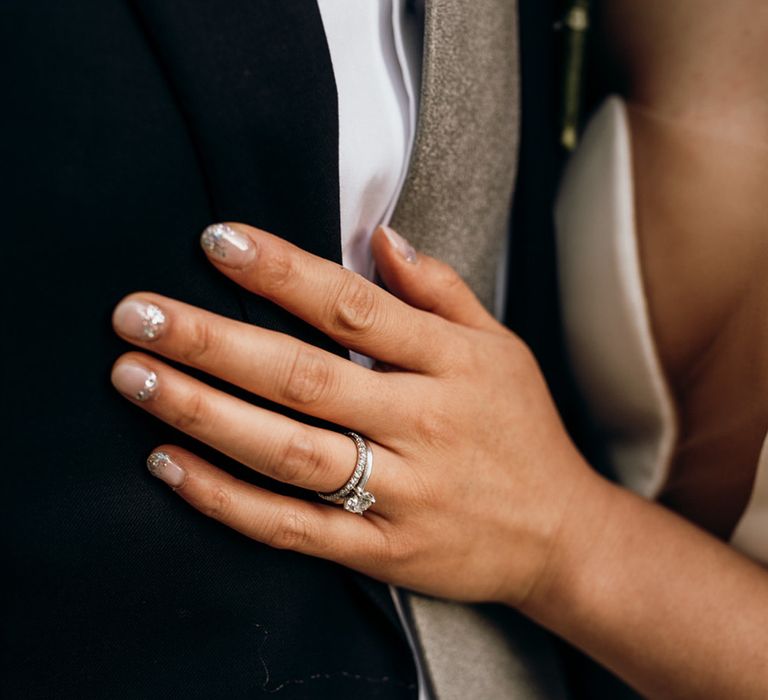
(457, 195)
(455, 205)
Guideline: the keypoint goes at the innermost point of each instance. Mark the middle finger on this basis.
(270, 364)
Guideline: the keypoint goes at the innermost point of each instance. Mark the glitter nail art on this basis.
(150, 386)
(153, 320)
(213, 239)
(162, 467)
(157, 462)
(227, 246)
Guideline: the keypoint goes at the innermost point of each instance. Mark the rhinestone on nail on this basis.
(150, 386)
(212, 238)
(153, 320)
(156, 462)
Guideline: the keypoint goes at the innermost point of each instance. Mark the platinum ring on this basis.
(353, 494)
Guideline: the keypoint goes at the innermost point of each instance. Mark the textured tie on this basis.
(456, 199)
(455, 205)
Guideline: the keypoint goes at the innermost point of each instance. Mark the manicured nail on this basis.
(404, 249)
(139, 320)
(135, 380)
(164, 468)
(227, 246)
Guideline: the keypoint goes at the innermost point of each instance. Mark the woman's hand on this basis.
(479, 493)
(473, 472)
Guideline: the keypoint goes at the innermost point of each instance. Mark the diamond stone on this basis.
(359, 502)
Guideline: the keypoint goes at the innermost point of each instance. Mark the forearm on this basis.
(673, 611)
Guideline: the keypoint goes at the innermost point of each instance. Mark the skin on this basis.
(697, 94)
(415, 417)
(481, 495)
(640, 589)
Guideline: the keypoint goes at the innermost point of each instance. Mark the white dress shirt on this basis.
(376, 54)
(375, 49)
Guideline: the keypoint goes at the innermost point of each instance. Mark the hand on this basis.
(473, 472)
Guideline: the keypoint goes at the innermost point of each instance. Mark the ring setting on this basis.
(353, 495)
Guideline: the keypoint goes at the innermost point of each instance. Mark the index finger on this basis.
(345, 306)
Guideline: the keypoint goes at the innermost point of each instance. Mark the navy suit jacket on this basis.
(126, 127)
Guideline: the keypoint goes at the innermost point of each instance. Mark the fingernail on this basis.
(227, 246)
(135, 380)
(139, 320)
(164, 468)
(404, 249)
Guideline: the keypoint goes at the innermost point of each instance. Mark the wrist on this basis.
(584, 529)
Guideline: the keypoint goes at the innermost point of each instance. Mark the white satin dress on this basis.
(607, 325)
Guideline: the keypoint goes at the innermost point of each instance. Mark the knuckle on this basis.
(200, 345)
(308, 378)
(290, 530)
(432, 426)
(448, 278)
(192, 414)
(276, 270)
(469, 355)
(218, 505)
(301, 461)
(354, 305)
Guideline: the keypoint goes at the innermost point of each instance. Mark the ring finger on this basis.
(272, 444)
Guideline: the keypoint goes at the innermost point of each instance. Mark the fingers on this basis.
(277, 521)
(345, 306)
(427, 283)
(274, 445)
(272, 365)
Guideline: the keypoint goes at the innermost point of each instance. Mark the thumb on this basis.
(426, 283)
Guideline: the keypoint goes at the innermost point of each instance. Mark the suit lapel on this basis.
(255, 84)
(254, 81)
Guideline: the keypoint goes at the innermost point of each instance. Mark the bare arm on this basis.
(479, 493)
(673, 611)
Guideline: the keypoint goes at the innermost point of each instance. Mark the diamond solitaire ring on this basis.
(353, 494)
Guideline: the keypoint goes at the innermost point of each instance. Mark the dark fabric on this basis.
(125, 129)
(533, 307)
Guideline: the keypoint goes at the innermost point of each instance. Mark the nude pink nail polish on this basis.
(161, 465)
(227, 246)
(139, 320)
(404, 249)
(134, 380)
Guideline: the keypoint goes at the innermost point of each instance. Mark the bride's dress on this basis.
(607, 324)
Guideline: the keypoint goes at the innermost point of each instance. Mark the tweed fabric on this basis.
(484, 651)
(457, 195)
(455, 205)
